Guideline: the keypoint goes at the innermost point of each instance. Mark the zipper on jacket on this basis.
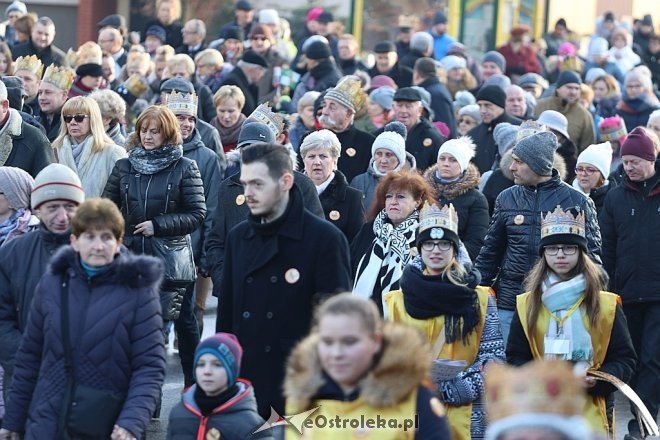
(201, 431)
(167, 198)
(146, 194)
(126, 197)
(533, 224)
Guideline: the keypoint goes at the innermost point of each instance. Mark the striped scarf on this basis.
(380, 269)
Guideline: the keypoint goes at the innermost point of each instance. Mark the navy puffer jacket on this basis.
(511, 246)
(116, 341)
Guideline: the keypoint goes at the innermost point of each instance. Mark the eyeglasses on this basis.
(77, 118)
(585, 170)
(443, 245)
(569, 249)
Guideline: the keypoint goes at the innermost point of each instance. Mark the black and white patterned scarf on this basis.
(153, 161)
(380, 269)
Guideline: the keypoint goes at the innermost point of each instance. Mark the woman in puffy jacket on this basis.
(159, 192)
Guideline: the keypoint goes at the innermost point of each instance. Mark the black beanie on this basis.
(89, 69)
(492, 94)
(318, 50)
(568, 77)
(438, 233)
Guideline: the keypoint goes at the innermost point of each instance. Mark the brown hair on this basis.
(4, 49)
(539, 273)
(404, 180)
(95, 214)
(165, 120)
(613, 88)
(24, 24)
(348, 304)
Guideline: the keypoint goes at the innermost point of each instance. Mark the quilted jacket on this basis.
(511, 246)
(116, 343)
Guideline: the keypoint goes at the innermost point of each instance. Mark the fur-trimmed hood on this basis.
(453, 190)
(403, 364)
(559, 164)
(134, 271)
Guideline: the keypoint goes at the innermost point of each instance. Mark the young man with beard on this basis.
(278, 265)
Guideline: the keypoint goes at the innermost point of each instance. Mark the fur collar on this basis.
(135, 271)
(453, 190)
(10, 130)
(403, 364)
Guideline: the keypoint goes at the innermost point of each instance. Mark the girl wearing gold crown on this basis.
(440, 297)
(566, 314)
(359, 377)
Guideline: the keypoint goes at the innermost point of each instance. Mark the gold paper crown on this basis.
(528, 128)
(562, 222)
(60, 77)
(265, 115)
(432, 216)
(348, 92)
(87, 53)
(136, 85)
(540, 387)
(182, 103)
(31, 64)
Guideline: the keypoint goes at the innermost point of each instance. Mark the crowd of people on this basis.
(474, 211)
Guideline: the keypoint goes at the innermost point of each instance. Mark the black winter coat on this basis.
(322, 77)
(173, 199)
(211, 140)
(50, 55)
(233, 211)
(423, 142)
(31, 150)
(631, 239)
(274, 275)
(441, 103)
(205, 108)
(237, 78)
(342, 206)
(116, 342)
(471, 206)
(355, 151)
(53, 127)
(482, 135)
(401, 75)
(209, 167)
(620, 358)
(511, 246)
(23, 261)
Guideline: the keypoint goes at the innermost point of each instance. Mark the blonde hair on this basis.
(84, 105)
(184, 60)
(229, 92)
(346, 303)
(176, 9)
(210, 57)
(611, 83)
(164, 53)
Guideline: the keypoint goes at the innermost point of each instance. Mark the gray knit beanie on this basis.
(16, 185)
(538, 152)
(495, 57)
(504, 135)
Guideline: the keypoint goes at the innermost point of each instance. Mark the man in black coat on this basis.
(53, 93)
(421, 45)
(23, 260)
(249, 70)
(278, 265)
(387, 63)
(631, 248)
(511, 245)
(194, 33)
(21, 144)
(492, 101)
(41, 44)
(341, 105)
(423, 139)
(322, 72)
(425, 76)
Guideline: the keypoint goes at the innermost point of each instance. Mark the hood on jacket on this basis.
(450, 191)
(243, 400)
(194, 143)
(135, 271)
(559, 164)
(403, 364)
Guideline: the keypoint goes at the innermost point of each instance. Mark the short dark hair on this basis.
(276, 157)
(98, 213)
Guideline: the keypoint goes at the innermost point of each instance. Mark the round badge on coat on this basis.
(213, 434)
(334, 215)
(427, 142)
(240, 199)
(292, 276)
(519, 219)
(351, 152)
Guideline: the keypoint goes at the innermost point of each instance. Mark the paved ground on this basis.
(174, 383)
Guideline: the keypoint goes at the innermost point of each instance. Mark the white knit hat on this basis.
(269, 16)
(598, 155)
(453, 62)
(462, 149)
(392, 141)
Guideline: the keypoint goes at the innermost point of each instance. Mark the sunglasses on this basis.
(77, 118)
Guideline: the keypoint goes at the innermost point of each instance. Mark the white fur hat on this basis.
(392, 141)
(462, 149)
(269, 16)
(598, 155)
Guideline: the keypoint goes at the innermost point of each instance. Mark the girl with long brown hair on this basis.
(566, 314)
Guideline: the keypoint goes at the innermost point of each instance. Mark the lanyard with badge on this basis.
(558, 346)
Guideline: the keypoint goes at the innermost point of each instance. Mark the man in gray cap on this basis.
(208, 133)
(511, 245)
(566, 101)
(56, 194)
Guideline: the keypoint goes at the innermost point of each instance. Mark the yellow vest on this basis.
(594, 410)
(338, 420)
(459, 417)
